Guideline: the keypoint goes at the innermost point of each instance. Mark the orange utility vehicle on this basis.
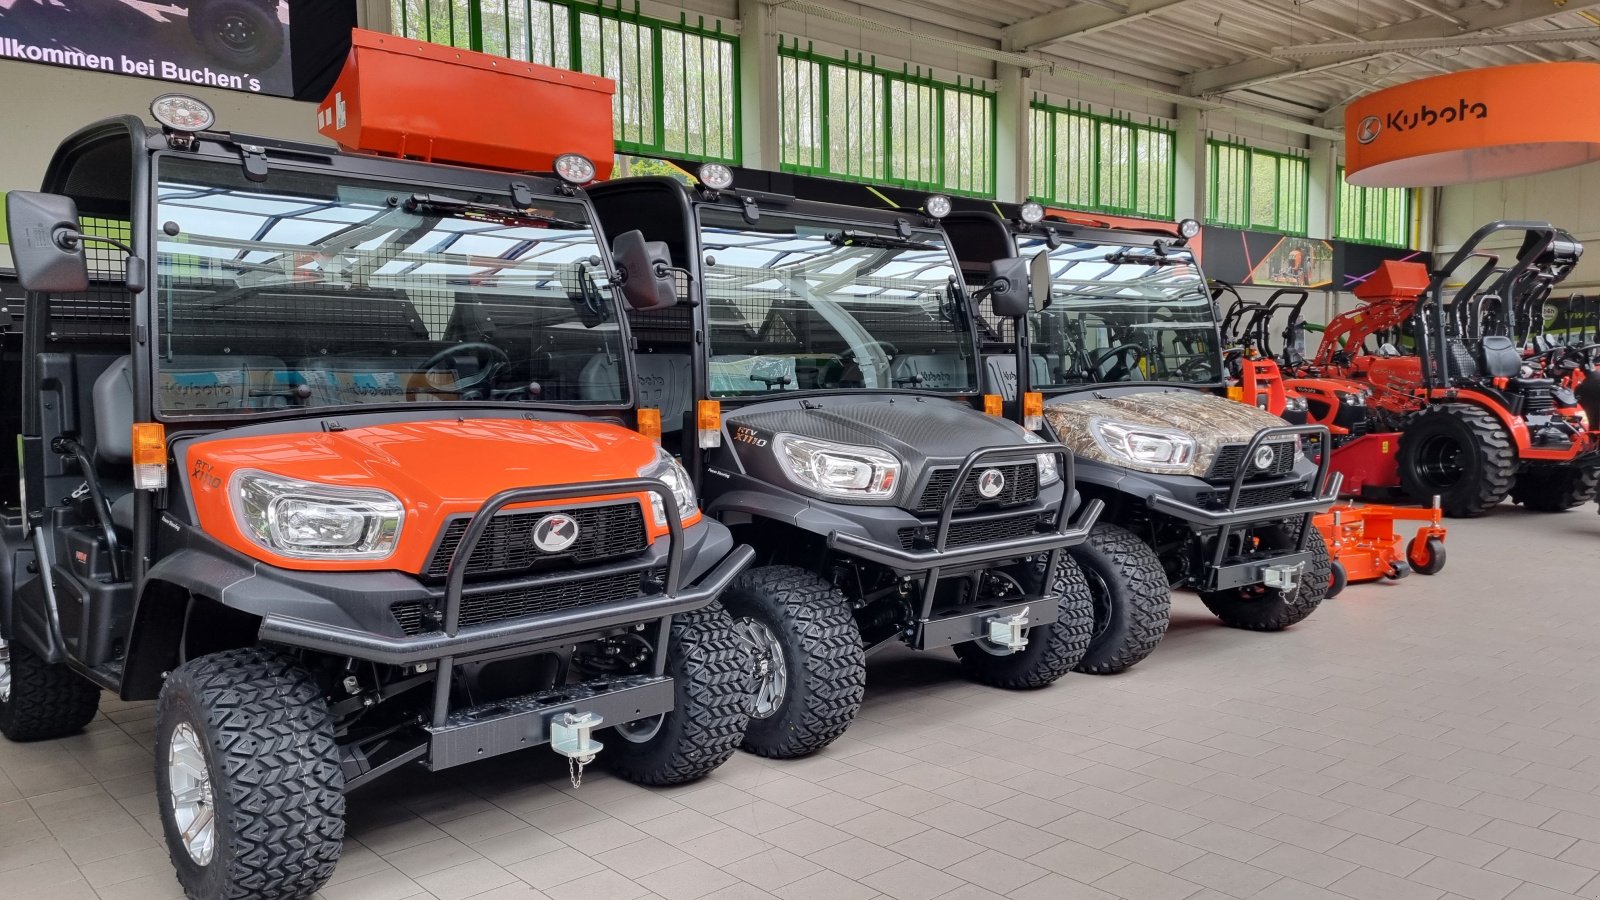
(330, 453)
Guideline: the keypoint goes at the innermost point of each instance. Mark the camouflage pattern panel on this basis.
(1210, 420)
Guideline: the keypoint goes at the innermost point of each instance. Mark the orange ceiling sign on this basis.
(1477, 125)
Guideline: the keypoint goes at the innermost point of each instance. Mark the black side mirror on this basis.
(1039, 280)
(46, 245)
(644, 270)
(1010, 290)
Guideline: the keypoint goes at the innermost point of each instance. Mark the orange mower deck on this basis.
(1366, 544)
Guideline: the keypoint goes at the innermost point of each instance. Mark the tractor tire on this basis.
(811, 669)
(1460, 453)
(1430, 561)
(1555, 489)
(1260, 608)
(245, 756)
(1132, 598)
(1053, 650)
(710, 670)
(240, 34)
(40, 701)
(1338, 580)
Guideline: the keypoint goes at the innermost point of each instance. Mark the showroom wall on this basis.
(1556, 197)
(34, 128)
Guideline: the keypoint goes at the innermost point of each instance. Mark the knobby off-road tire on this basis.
(1461, 453)
(711, 671)
(262, 726)
(821, 654)
(240, 34)
(1260, 608)
(1554, 489)
(44, 701)
(1053, 650)
(1132, 598)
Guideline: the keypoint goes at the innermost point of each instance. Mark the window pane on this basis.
(855, 116)
(800, 122)
(967, 151)
(914, 133)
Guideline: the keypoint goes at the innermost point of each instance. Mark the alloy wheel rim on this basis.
(5, 672)
(772, 674)
(1100, 593)
(190, 792)
(641, 730)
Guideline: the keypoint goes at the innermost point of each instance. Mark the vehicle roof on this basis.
(734, 199)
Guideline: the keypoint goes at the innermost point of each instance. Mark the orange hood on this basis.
(437, 469)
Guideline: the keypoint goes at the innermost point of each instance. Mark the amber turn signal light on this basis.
(709, 413)
(650, 423)
(149, 456)
(1033, 410)
(993, 405)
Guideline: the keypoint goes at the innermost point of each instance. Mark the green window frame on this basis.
(1257, 189)
(1372, 215)
(1101, 163)
(851, 119)
(677, 83)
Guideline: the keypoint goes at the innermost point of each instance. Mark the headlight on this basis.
(667, 470)
(1158, 449)
(1048, 473)
(1352, 399)
(1295, 404)
(316, 521)
(838, 470)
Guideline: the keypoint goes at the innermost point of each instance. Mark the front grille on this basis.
(604, 532)
(1022, 486)
(486, 606)
(1230, 456)
(966, 534)
(1252, 497)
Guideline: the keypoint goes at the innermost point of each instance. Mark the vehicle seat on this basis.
(730, 374)
(1500, 357)
(1000, 374)
(665, 381)
(938, 371)
(598, 381)
(113, 433)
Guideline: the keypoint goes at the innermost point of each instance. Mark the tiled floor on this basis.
(1435, 738)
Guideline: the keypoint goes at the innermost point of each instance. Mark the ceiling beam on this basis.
(1079, 20)
(1261, 71)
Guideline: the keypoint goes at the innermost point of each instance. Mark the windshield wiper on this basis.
(1124, 256)
(875, 241)
(438, 205)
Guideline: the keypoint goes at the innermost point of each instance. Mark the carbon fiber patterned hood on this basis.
(1211, 420)
(913, 429)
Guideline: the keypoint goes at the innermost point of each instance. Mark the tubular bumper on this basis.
(1066, 534)
(1232, 514)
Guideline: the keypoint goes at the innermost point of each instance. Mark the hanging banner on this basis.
(1477, 125)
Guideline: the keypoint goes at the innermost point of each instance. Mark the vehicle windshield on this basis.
(1122, 314)
(805, 305)
(314, 290)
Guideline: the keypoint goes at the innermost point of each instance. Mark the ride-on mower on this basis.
(1124, 365)
(327, 452)
(817, 376)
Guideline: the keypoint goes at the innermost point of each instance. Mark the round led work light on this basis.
(1032, 213)
(574, 168)
(716, 176)
(1188, 228)
(181, 112)
(937, 205)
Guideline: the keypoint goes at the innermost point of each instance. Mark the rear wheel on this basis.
(1132, 598)
(810, 668)
(1459, 453)
(1053, 650)
(1260, 608)
(40, 701)
(248, 782)
(710, 670)
(1555, 488)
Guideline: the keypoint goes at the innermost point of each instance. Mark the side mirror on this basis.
(1039, 279)
(1009, 287)
(46, 246)
(645, 270)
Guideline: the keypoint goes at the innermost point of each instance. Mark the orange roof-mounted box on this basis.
(406, 98)
(1395, 280)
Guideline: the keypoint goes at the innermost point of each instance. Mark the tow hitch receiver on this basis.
(572, 735)
(1284, 578)
(1007, 631)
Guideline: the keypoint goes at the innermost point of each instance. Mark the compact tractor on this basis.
(328, 452)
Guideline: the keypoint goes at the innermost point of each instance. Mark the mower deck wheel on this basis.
(1338, 578)
(1431, 558)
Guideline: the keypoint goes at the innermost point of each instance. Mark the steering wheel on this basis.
(1202, 364)
(1126, 357)
(490, 358)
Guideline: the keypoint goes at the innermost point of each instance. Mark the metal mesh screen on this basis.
(104, 312)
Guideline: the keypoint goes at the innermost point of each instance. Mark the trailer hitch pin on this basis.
(1007, 631)
(572, 736)
(1284, 578)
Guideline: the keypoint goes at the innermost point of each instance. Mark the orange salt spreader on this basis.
(405, 98)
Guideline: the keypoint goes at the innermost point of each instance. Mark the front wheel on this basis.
(1053, 650)
(810, 667)
(1132, 598)
(1260, 608)
(710, 670)
(248, 782)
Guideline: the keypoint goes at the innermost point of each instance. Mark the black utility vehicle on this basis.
(1200, 491)
(333, 461)
(815, 377)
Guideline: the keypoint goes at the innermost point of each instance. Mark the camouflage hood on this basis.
(1210, 420)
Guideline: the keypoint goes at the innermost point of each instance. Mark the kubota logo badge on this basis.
(1264, 457)
(1369, 129)
(991, 482)
(555, 532)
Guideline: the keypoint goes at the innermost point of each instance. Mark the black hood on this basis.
(915, 429)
